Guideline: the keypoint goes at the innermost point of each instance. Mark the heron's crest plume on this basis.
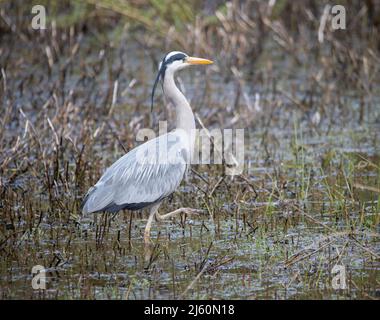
(161, 74)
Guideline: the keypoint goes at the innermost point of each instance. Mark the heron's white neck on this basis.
(184, 114)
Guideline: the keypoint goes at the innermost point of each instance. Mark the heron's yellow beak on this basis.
(194, 60)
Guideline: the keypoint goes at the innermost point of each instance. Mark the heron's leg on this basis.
(148, 248)
(189, 211)
(152, 213)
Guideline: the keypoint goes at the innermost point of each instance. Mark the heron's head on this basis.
(174, 61)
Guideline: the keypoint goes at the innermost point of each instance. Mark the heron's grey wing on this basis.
(143, 176)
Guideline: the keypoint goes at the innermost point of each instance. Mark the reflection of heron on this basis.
(146, 175)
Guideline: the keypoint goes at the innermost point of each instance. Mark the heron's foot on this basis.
(189, 211)
(159, 217)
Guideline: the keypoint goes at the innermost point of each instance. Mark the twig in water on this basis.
(191, 285)
(364, 248)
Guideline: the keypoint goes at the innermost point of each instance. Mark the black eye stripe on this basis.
(177, 56)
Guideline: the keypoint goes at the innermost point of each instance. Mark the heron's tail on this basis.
(85, 199)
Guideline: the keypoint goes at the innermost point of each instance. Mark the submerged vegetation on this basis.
(73, 97)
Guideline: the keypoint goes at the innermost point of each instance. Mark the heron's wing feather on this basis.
(146, 174)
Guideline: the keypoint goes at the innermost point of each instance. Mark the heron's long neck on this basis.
(185, 116)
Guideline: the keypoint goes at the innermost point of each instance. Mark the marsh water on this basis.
(308, 198)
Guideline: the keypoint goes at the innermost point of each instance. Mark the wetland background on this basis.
(74, 95)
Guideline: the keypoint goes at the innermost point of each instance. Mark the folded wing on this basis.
(145, 175)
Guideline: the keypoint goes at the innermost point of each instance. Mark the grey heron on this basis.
(149, 173)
